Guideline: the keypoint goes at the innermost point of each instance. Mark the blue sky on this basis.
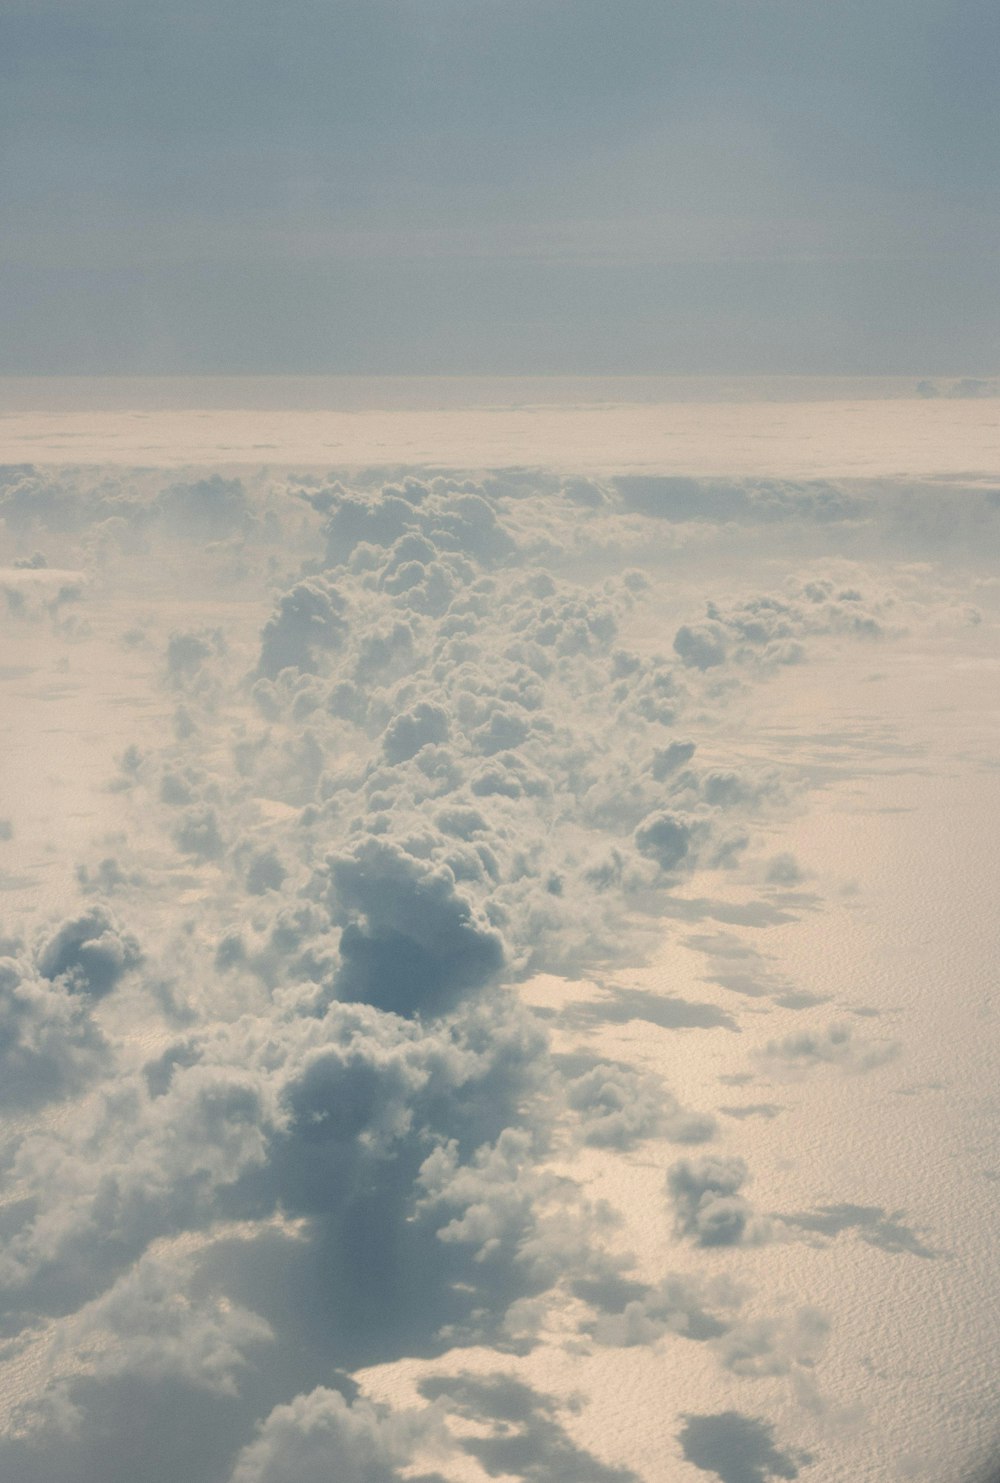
(526, 186)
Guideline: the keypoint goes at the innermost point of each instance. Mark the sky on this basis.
(497, 895)
(470, 186)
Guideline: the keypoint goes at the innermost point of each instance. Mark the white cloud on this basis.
(278, 1109)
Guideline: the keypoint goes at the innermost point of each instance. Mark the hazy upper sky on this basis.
(499, 185)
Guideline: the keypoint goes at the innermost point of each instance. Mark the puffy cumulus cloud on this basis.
(265, 872)
(50, 1047)
(410, 942)
(37, 594)
(320, 1436)
(837, 1045)
(89, 953)
(772, 628)
(471, 711)
(663, 838)
(198, 830)
(421, 726)
(617, 1107)
(420, 522)
(308, 619)
(682, 1306)
(328, 1121)
(387, 1092)
(708, 1206)
(701, 645)
(585, 492)
(774, 1345)
(469, 704)
(514, 1216)
(107, 877)
(148, 1324)
(139, 1163)
(885, 1229)
(668, 759)
(699, 830)
(31, 500)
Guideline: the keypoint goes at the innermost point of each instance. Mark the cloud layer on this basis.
(279, 1110)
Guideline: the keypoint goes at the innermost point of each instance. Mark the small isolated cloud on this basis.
(872, 1224)
(774, 1345)
(618, 1107)
(708, 1206)
(620, 1006)
(753, 1109)
(701, 645)
(836, 1046)
(784, 870)
(738, 1449)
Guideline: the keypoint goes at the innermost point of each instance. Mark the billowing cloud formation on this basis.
(50, 1046)
(282, 1115)
(771, 629)
(89, 953)
(319, 1436)
(664, 839)
(409, 943)
(308, 620)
